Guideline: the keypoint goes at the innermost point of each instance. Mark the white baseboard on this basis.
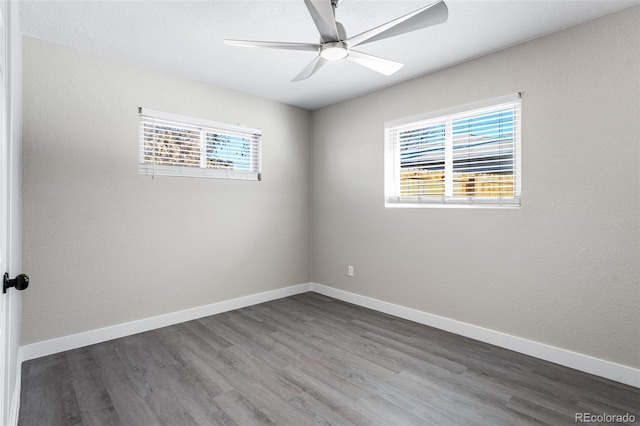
(597, 367)
(588, 364)
(65, 343)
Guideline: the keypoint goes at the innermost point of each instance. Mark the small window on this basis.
(176, 145)
(467, 156)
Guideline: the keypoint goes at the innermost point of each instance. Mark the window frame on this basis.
(205, 127)
(392, 167)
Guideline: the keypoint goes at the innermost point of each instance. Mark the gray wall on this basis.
(104, 245)
(563, 269)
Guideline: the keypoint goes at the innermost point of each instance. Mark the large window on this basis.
(176, 145)
(466, 156)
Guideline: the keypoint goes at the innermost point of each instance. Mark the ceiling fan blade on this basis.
(383, 66)
(435, 13)
(310, 69)
(274, 45)
(323, 16)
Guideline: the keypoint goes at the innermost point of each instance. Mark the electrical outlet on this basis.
(350, 270)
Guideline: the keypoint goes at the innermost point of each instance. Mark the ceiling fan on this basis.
(335, 45)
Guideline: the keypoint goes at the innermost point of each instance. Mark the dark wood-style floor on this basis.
(308, 359)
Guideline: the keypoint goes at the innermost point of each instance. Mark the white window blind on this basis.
(464, 156)
(177, 145)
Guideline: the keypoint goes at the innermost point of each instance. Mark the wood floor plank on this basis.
(206, 334)
(175, 393)
(242, 411)
(49, 390)
(248, 328)
(127, 388)
(94, 401)
(252, 347)
(540, 410)
(317, 412)
(196, 355)
(302, 360)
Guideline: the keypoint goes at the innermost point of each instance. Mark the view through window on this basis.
(184, 146)
(471, 156)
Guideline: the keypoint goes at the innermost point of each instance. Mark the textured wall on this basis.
(104, 245)
(563, 269)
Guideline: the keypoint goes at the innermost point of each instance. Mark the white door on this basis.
(4, 207)
(10, 224)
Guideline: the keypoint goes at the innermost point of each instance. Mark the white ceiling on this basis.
(186, 38)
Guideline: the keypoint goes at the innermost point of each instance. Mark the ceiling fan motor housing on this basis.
(334, 50)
